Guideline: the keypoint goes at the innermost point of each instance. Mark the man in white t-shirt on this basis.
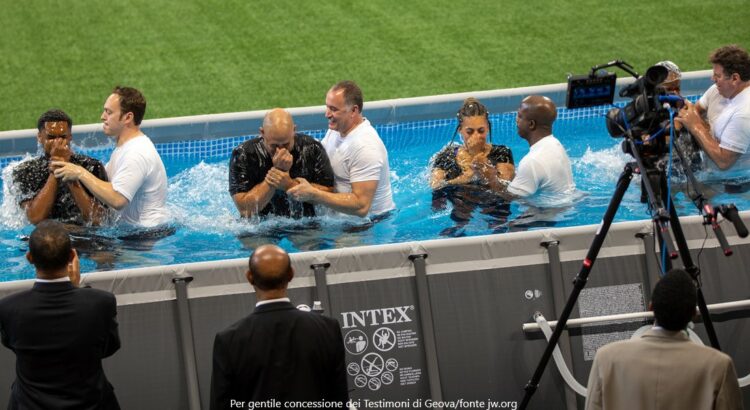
(138, 180)
(358, 157)
(720, 121)
(545, 171)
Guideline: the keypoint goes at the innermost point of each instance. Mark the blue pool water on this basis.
(209, 228)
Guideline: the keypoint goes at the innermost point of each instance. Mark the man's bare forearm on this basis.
(38, 208)
(103, 190)
(344, 202)
(253, 201)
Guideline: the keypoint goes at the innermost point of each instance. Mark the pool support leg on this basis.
(321, 287)
(427, 325)
(185, 328)
(558, 297)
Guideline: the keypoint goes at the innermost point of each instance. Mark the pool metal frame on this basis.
(472, 349)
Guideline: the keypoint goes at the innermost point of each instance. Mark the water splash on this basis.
(11, 214)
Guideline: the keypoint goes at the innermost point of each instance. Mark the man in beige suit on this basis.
(663, 369)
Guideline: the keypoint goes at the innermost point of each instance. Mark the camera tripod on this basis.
(662, 219)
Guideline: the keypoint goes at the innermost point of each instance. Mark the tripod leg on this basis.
(694, 271)
(580, 281)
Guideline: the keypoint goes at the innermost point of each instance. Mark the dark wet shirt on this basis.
(446, 159)
(30, 177)
(251, 162)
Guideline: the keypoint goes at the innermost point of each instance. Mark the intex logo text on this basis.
(376, 317)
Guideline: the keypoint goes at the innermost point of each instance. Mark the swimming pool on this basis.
(209, 228)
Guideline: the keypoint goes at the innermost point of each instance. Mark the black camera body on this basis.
(646, 113)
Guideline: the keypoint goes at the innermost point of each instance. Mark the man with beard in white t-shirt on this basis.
(358, 157)
(720, 121)
(138, 179)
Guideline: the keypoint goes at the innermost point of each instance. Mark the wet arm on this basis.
(723, 158)
(323, 187)
(499, 176)
(437, 179)
(357, 202)
(91, 209)
(692, 117)
(103, 190)
(38, 208)
(253, 201)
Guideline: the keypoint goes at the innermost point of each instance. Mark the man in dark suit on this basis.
(60, 333)
(664, 369)
(277, 352)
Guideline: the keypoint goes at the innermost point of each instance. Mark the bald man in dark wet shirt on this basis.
(262, 169)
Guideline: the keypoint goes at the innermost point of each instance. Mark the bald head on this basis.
(278, 130)
(270, 268)
(278, 119)
(540, 109)
(535, 118)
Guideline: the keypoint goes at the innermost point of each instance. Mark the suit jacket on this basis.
(279, 352)
(660, 371)
(60, 334)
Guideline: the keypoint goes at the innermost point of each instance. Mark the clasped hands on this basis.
(60, 165)
(473, 169)
(278, 176)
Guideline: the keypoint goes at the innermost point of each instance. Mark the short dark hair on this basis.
(733, 59)
(50, 246)
(674, 299)
(352, 93)
(53, 115)
(267, 279)
(131, 100)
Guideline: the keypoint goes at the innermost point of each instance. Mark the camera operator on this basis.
(720, 121)
(688, 146)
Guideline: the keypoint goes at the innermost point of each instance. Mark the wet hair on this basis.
(53, 115)
(733, 59)
(472, 108)
(49, 245)
(674, 299)
(131, 100)
(352, 93)
(270, 277)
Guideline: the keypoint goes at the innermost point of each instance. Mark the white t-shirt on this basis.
(544, 172)
(136, 171)
(358, 157)
(730, 121)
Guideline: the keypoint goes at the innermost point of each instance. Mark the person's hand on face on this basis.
(282, 159)
(59, 149)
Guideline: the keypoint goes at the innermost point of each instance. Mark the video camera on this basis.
(646, 114)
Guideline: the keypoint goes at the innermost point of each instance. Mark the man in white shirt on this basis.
(720, 121)
(545, 171)
(138, 179)
(358, 157)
